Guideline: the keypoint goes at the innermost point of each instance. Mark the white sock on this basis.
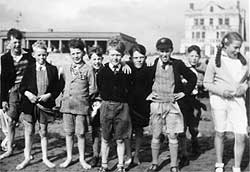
(236, 169)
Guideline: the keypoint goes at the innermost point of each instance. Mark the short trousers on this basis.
(165, 119)
(75, 124)
(115, 120)
(38, 115)
(14, 103)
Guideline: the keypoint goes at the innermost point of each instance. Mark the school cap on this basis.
(164, 43)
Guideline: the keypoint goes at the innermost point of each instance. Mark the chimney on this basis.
(191, 6)
(50, 30)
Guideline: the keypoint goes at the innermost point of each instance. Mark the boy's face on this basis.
(233, 49)
(164, 54)
(138, 59)
(96, 61)
(114, 57)
(15, 45)
(76, 55)
(40, 55)
(193, 58)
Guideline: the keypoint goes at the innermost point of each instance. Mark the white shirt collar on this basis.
(40, 67)
(111, 66)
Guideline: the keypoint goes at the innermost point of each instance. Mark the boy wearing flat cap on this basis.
(167, 101)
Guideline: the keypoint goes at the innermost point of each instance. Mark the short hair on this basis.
(15, 33)
(116, 44)
(95, 49)
(39, 44)
(77, 43)
(194, 48)
(137, 47)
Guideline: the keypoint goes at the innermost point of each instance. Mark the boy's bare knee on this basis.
(29, 130)
(220, 134)
(81, 136)
(173, 138)
(119, 141)
(69, 134)
(43, 133)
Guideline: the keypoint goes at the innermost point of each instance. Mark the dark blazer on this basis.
(29, 83)
(180, 70)
(8, 73)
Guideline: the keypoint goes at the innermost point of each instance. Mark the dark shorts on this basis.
(14, 103)
(192, 113)
(38, 115)
(115, 120)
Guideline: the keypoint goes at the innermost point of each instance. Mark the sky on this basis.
(146, 20)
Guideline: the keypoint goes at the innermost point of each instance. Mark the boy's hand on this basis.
(179, 95)
(126, 69)
(44, 97)
(5, 106)
(240, 91)
(32, 98)
(228, 94)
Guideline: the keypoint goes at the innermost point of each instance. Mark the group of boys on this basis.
(29, 86)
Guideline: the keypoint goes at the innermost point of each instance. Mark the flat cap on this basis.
(164, 43)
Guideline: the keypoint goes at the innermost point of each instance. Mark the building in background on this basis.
(206, 26)
(58, 41)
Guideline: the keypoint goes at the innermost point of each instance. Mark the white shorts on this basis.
(229, 115)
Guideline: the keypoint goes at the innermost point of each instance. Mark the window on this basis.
(201, 21)
(192, 35)
(222, 34)
(211, 21)
(211, 50)
(226, 21)
(196, 22)
(220, 21)
(217, 35)
(197, 35)
(203, 35)
(211, 9)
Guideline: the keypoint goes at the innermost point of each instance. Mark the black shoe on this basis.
(195, 147)
(94, 162)
(174, 169)
(152, 168)
(121, 169)
(184, 161)
(102, 169)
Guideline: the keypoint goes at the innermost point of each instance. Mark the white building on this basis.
(206, 26)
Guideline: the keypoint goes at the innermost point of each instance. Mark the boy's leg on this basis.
(81, 128)
(44, 144)
(120, 152)
(128, 150)
(28, 136)
(173, 148)
(96, 147)
(105, 152)
(156, 131)
(239, 147)
(138, 140)
(69, 125)
(10, 137)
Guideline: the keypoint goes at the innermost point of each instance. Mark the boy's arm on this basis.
(190, 76)
(92, 83)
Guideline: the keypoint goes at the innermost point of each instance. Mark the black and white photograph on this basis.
(124, 85)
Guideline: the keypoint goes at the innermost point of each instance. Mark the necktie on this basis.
(164, 64)
(115, 67)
